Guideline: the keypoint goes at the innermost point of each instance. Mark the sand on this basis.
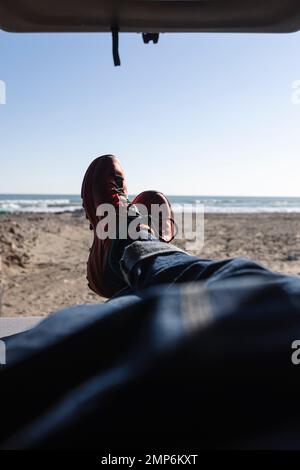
(43, 256)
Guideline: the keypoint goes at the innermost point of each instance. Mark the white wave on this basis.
(35, 202)
(218, 209)
(38, 205)
(251, 210)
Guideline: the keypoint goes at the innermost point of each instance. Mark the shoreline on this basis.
(43, 255)
(80, 211)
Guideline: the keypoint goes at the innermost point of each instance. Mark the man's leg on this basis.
(149, 263)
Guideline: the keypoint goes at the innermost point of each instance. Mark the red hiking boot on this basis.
(103, 183)
(162, 226)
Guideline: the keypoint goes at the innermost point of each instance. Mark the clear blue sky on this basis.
(195, 114)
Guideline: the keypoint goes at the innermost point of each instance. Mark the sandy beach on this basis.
(43, 256)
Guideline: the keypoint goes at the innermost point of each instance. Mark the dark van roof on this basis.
(150, 15)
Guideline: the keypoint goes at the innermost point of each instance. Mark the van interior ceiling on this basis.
(149, 17)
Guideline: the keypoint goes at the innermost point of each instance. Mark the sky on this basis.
(196, 114)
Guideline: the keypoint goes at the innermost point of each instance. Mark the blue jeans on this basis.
(196, 351)
(151, 263)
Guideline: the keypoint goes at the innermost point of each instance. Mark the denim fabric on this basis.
(149, 264)
(199, 355)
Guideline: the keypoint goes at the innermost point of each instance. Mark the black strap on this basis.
(115, 45)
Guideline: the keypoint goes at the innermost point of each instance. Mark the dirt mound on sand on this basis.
(43, 262)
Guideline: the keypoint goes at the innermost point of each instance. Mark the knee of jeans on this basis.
(239, 266)
(248, 265)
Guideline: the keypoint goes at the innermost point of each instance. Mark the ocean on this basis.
(212, 204)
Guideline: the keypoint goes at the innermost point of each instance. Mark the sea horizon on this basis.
(57, 203)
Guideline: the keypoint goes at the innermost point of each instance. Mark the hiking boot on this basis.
(161, 224)
(103, 183)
